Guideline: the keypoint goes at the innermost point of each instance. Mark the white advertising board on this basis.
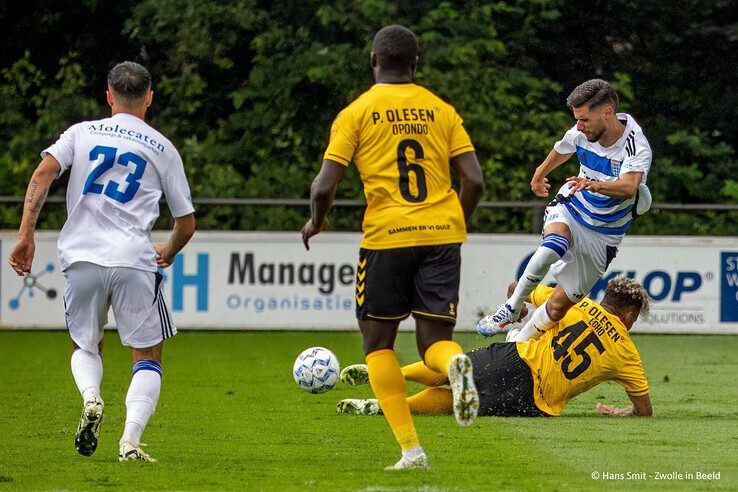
(252, 280)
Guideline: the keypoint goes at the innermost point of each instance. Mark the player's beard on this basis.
(595, 136)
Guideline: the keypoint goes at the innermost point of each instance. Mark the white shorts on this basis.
(587, 258)
(142, 317)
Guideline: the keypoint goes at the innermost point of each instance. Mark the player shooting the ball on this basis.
(591, 213)
(538, 377)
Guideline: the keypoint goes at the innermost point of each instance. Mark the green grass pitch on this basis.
(231, 417)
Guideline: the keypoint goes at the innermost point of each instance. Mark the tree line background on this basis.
(247, 91)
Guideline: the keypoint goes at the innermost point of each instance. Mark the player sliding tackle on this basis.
(587, 220)
(401, 138)
(119, 167)
(539, 377)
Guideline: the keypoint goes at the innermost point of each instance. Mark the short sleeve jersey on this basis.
(631, 153)
(588, 346)
(119, 168)
(401, 138)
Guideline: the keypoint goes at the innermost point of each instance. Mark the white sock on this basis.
(539, 323)
(553, 248)
(87, 369)
(413, 452)
(143, 394)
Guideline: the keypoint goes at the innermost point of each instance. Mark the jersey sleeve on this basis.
(640, 161)
(460, 143)
(540, 294)
(63, 149)
(176, 188)
(344, 138)
(632, 377)
(567, 145)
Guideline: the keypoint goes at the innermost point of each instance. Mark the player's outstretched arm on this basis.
(641, 408)
(623, 187)
(539, 183)
(471, 179)
(184, 229)
(322, 192)
(21, 258)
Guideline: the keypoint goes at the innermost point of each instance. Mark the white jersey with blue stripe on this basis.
(631, 153)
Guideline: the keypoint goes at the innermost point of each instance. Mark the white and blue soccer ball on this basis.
(316, 370)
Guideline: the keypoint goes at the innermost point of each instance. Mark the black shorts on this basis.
(504, 382)
(422, 280)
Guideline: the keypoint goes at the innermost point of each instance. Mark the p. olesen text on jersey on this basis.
(631, 153)
(119, 167)
(401, 137)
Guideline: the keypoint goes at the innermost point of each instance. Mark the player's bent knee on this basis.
(558, 228)
(558, 304)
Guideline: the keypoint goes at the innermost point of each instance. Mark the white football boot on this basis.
(352, 406)
(355, 375)
(417, 462)
(129, 452)
(465, 395)
(494, 323)
(88, 430)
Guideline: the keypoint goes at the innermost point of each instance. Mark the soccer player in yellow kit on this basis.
(589, 345)
(404, 141)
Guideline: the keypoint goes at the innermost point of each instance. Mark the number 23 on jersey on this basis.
(124, 192)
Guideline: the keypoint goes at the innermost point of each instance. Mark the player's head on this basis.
(625, 298)
(129, 86)
(395, 51)
(593, 103)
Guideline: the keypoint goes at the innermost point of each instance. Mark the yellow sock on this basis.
(388, 385)
(432, 400)
(439, 355)
(420, 373)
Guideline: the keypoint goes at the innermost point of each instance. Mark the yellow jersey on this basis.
(588, 346)
(401, 138)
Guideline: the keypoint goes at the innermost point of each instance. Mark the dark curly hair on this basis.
(396, 48)
(624, 292)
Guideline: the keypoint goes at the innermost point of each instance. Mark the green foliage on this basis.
(247, 91)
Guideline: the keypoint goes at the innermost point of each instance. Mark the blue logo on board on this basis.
(199, 280)
(729, 287)
(30, 285)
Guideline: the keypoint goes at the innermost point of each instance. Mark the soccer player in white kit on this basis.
(119, 167)
(591, 213)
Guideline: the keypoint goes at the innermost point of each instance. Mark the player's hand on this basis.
(21, 258)
(540, 186)
(578, 184)
(164, 257)
(614, 411)
(310, 230)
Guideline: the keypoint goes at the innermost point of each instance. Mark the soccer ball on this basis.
(316, 370)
